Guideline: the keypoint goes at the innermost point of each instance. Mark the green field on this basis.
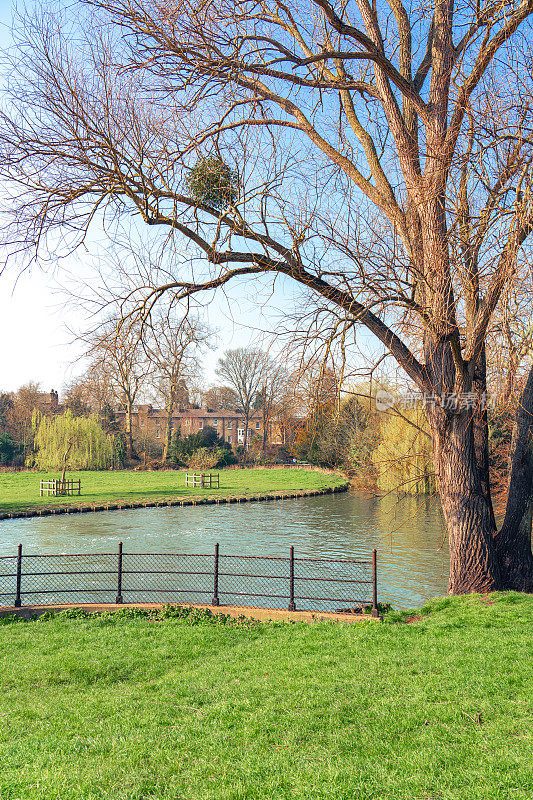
(20, 490)
(142, 708)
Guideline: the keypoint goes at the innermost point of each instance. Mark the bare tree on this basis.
(24, 402)
(173, 348)
(221, 398)
(270, 396)
(384, 163)
(116, 350)
(510, 340)
(93, 388)
(244, 369)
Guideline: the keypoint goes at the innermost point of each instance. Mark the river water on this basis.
(408, 534)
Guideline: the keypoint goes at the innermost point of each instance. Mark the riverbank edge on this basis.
(258, 614)
(212, 500)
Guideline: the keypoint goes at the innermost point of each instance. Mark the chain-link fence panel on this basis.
(332, 585)
(256, 581)
(8, 580)
(167, 578)
(77, 578)
(313, 584)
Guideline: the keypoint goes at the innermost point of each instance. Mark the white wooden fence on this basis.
(202, 480)
(56, 487)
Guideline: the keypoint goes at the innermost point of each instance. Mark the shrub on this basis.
(202, 450)
(203, 458)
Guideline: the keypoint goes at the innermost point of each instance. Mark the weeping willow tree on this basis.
(403, 459)
(68, 442)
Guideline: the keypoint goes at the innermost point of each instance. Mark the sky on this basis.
(34, 344)
(36, 318)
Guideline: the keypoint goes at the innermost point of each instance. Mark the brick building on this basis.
(151, 422)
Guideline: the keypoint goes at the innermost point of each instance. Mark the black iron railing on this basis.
(320, 584)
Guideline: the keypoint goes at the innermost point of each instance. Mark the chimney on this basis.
(54, 399)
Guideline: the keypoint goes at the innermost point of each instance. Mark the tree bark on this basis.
(474, 566)
(513, 542)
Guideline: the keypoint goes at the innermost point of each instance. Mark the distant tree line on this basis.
(130, 363)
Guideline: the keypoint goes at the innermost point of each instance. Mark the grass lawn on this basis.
(133, 708)
(20, 490)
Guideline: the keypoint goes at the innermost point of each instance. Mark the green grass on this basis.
(141, 708)
(20, 490)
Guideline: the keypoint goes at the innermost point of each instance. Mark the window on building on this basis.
(240, 433)
(158, 433)
(229, 423)
(215, 422)
(229, 439)
(201, 424)
(257, 424)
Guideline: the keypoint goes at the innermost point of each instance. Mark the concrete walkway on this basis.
(261, 614)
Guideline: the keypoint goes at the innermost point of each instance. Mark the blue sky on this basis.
(35, 316)
(34, 346)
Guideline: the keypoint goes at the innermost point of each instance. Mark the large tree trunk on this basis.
(466, 507)
(473, 563)
(513, 542)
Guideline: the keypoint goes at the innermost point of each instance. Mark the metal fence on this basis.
(306, 584)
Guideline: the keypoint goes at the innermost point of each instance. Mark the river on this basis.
(408, 534)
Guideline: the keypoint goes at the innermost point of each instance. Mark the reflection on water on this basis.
(408, 534)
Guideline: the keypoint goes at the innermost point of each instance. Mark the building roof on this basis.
(193, 413)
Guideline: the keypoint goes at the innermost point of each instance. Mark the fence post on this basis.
(119, 582)
(215, 601)
(375, 612)
(18, 601)
(292, 605)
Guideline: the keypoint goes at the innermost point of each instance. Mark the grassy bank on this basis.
(19, 491)
(146, 709)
